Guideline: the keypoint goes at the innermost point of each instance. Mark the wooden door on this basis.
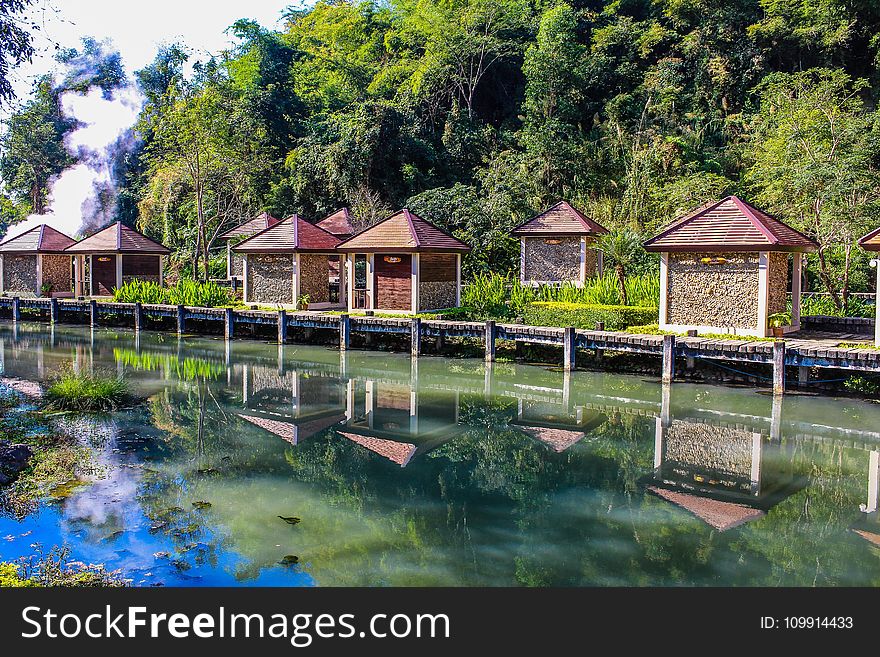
(393, 281)
(103, 275)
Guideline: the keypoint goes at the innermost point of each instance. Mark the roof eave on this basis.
(727, 248)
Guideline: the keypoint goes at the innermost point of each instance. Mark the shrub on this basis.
(185, 292)
(823, 305)
(487, 295)
(143, 291)
(585, 316)
(85, 392)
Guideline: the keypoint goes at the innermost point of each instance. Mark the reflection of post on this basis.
(776, 418)
(245, 382)
(280, 359)
(92, 351)
(873, 482)
(137, 342)
(755, 475)
(369, 401)
(349, 400)
(566, 390)
(413, 411)
(2, 356)
(487, 378)
(41, 370)
(343, 364)
(294, 392)
(662, 423)
(227, 353)
(52, 335)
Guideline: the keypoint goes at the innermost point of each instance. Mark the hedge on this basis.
(554, 313)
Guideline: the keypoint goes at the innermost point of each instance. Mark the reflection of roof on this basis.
(40, 239)
(561, 219)
(338, 223)
(557, 439)
(871, 537)
(403, 231)
(399, 453)
(118, 238)
(871, 241)
(288, 235)
(293, 432)
(729, 225)
(720, 515)
(250, 227)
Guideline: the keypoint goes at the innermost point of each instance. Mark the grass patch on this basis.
(86, 393)
(586, 316)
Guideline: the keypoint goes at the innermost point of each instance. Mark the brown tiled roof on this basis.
(557, 439)
(871, 241)
(392, 450)
(118, 238)
(39, 239)
(250, 227)
(338, 223)
(289, 235)
(403, 231)
(720, 515)
(731, 224)
(561, 219)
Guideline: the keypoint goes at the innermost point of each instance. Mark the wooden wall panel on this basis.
(437, 267)
(140, 265)
(393, 283)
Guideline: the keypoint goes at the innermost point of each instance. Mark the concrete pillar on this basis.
(568, 349)
(282, 326)
(763, 293)
(414, 281)
(93, 313)
(344, 332)
(796, 274)
(779, 367)
(668, 359)
(228, 324)
(181, 319)
(664, 290)
(490, 341)
(416, 337)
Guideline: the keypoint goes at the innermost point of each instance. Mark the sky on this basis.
(137, 30)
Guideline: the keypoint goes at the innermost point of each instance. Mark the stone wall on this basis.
(705, 447)
(777, 293)
(722, 296)
(553, 262)
(236, 265)
(436, 295)
(314, 277)
(270, 278)
(57, 272)
(20, 275)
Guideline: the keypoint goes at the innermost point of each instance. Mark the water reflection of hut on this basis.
(868, 524)
(717, 472)
(397, 422)
(556, 425)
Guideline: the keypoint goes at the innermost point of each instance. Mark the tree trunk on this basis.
(825, 277)
(621, 281)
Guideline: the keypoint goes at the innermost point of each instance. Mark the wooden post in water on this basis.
(282, 326)
(779, 367)
(692, 333)
(416, 337)
(53, 310)
(600, 326)
(344, 332)
(490, 341)
(16, 309)
(668, 359)
(93, 313)
(569, 352)
(228, 327)
(138, 316)
(181, 319)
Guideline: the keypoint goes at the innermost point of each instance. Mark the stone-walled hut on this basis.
(403, 264)
(113, 256)
(558, 246)
(287, 261)
(35, 259)
(338, 224)
(724, 268)
(241, 232)
(871, 242)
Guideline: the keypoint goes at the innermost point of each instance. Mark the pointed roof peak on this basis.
(118, 238)
(338, 223)
(403, 231)
(251, 226)
(293, 233)
(730, 224)
(561, 218)
(39, 239)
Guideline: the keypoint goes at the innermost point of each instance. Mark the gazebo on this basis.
(338, 224)
(113, 256)
(556, 246)
(403, 264)
(244, 230)
(35, 259)
(871, 242)
(287, 261)
(724, 269)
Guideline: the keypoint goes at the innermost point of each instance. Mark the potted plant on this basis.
(46, 289)
(302, 303)
(778, 322)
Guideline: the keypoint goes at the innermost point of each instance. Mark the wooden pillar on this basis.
(93, 313)
(228, 324)
(664, 290)
(668, 359)
(181, 319)
(138, 316)
(282, 326)
(779, 367)
(796, 274)
(118, 270)
(876, 265)
(416, 337)
(16, 309)
(344, 332)
(692, 333)
(490, 341)
(569, 352)
(763, 293)
(53, 310)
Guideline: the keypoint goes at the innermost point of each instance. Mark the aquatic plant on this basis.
(76, 391)
(55, 569)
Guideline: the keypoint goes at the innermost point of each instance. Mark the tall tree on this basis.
(16, 45)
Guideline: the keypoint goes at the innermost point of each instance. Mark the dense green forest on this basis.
(478, 113)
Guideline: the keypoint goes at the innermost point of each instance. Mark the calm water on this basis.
(440, 472)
